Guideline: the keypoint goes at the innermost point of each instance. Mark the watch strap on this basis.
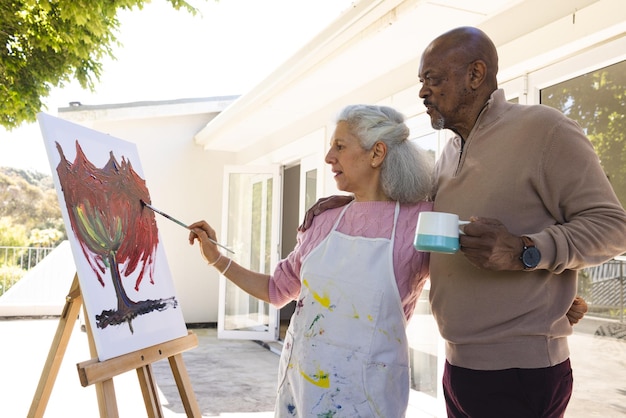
(527, 242)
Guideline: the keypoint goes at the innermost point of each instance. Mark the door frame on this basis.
(269, 332)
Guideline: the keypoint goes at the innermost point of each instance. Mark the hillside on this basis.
(40, 180)
(29, 209)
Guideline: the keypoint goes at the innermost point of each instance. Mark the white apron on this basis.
(346, 352)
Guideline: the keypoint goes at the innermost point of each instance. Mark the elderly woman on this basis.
(354, 273)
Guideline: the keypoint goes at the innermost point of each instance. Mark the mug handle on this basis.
(463, 223)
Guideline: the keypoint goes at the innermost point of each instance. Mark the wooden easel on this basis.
(101, 373)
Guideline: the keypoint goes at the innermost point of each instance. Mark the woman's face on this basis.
(350, 163)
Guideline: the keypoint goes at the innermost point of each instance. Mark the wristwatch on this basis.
(530, 254)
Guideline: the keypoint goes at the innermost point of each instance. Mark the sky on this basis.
(168, 54)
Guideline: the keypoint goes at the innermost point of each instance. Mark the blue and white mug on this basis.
(438, 232)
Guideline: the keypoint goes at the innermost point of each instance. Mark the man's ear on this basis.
(379, 151)
(478, 73)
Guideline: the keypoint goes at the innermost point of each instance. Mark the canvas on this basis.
(122, 269)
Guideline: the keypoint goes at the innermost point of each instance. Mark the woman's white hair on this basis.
(407, 171)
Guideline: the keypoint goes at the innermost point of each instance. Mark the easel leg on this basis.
(94, 371)
(50, 371)
(105, 391)
(149, 391)
(107, 402)
(184, 385)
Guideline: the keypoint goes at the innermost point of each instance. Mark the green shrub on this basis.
(9, 275)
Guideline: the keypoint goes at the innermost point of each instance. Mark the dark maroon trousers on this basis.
(511, 393)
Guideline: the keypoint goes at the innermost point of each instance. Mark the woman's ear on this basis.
(378, 153)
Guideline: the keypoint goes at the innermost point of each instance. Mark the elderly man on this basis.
(541, 208)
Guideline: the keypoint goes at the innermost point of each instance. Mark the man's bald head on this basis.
(458, 72)
(466, 44)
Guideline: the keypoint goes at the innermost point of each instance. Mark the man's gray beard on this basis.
(438, 124)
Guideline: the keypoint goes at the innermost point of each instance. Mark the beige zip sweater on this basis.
(533, 169)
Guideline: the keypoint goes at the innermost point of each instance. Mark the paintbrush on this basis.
(149, 206)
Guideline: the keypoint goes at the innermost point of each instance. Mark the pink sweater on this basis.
(366, 219)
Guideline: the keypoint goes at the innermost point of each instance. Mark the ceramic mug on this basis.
(438, 232)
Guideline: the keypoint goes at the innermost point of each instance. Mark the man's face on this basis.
(445, 89)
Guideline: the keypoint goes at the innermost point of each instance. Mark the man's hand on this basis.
(321, 205)
(577, 310)
(489, 245)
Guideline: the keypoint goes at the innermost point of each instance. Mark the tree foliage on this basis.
(47, 43)
(597, 101)
(29, 210)
(11, 234)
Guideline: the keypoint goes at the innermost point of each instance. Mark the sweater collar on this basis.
(492, 110)
(490, 113)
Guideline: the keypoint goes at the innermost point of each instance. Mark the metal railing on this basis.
(16, 261)
(604, 289)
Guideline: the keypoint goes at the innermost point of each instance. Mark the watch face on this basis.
(531, 257)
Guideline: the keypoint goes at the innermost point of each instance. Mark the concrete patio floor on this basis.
(237, 379)
(230, 378)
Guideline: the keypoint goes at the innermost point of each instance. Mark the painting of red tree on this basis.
(122, 269)
(115, 234)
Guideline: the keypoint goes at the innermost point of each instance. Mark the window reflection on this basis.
(311, 188)
(597, 101)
